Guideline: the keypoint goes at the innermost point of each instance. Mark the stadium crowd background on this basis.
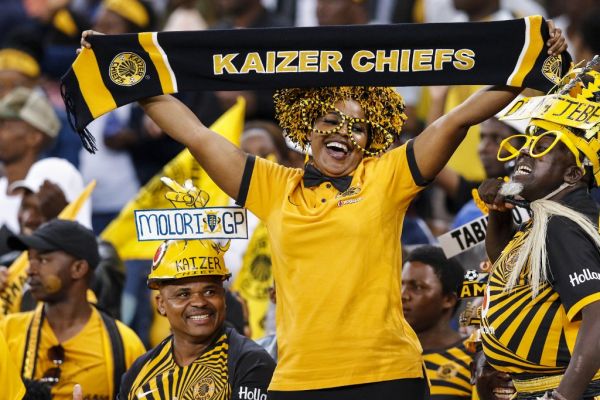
(38, 39)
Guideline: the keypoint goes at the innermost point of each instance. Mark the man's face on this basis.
(542, 175)
(30, 214)
(195, 307)
(15, 140)
(490, 384)
(492, 133)
(423, 301)
(49, 275)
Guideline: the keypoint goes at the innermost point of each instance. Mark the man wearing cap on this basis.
(28, 124)
(203, 359)
(66, 340)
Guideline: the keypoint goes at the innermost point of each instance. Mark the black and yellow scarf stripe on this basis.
(206, 378)
(125, 68)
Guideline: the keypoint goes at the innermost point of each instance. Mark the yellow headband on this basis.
(131, 10)
(17, 60)
(560, 109)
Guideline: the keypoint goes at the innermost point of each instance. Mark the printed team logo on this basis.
(447, 371)
(552, 69)
(159, 255)
(212, 222)
(351, 191)
(204, 389)
(127, 69)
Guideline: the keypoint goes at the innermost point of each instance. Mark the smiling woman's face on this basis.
(335, 154)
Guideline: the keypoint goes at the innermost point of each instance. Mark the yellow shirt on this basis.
(86, 354)
(337, 266)
(10, 381)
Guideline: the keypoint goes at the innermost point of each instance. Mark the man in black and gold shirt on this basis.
(430, 297)
(203, 359)
(541, 314)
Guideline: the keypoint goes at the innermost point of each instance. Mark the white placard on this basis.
(191, 223)
(464, 237)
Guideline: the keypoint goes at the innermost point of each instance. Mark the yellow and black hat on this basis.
(177, 259)
(571, 113)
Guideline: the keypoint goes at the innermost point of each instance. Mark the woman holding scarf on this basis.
(335, 228)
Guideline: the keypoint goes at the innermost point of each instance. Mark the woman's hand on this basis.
(557, 43)
(489, 192)
(84, 39)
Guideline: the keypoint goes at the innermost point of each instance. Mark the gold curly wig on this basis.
(383, 107)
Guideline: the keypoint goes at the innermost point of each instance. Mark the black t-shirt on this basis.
(234, 367)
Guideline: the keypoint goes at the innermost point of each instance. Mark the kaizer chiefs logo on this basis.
(447, 371)
(212, 222)
(203, 389)
(127, 69)
(552, 69)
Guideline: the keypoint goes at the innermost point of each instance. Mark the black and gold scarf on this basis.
(124, 68)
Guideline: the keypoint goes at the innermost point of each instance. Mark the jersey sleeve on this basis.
(263, 186)
(253, 374)
(574, 262)
(398, 170)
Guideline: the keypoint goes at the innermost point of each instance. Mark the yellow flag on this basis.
(121, 232)
(255, 278)
(10, 296)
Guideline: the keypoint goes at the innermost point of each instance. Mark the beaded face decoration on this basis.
(334, 120)
(300, 112)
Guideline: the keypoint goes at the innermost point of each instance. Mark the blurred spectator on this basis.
(185, 16)
(66, 340)
(342, 12)
(269, 342)
(20, 57)
(113, 191)
(574, 12)
(430, 297)
(49, 186)
(586, 41)
(27, 125)
(238, 14)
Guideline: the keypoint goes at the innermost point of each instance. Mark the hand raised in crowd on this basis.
(557, 42)
(84, 39)
(52, 199)
(489, 192)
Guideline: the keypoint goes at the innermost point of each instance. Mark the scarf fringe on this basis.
(87, 139)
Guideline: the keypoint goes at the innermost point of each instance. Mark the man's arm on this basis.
(500, 227)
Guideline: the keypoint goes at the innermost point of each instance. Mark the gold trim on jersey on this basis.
(204, 379)
(542, 384)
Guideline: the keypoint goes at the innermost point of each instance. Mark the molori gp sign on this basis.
(191, 223)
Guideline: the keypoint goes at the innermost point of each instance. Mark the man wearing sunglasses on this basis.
(65, 340)
(541, 312)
